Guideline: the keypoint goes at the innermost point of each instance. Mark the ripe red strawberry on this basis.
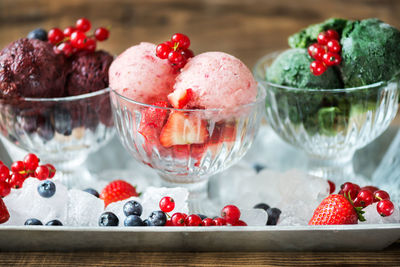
(180, 98)
(153, 120)
(336, 209)
(182, 129)
(4, 215)
(116, 191)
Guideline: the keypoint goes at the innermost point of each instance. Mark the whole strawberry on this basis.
(4, 215)
(116, 191)
(336, 209)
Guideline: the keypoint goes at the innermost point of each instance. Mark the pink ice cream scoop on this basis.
(216, 80)
(140, 75)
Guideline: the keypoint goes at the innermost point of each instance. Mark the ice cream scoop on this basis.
(30, 68)
(217, 80)
(140, 75)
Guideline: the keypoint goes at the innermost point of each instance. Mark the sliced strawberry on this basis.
(182, 129)
(223, 132)
(153, 120)
(180, 98)
(4, 215)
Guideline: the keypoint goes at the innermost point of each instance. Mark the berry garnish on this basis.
(385, 207)
(108, 219)
(332, 187)
(273, 216)
(4, 173)
(240, 223)
(370, 188)
(33, 221)
(68, 31)
(167, 204)
(364, 198)
(157, 218)
(31, 162)
(162, 50)
(46, 189)
(219, 221)
(4, 214)
(207, 222)
(178, 219)
(349, 188)
(55, 36)
(116, 191)
(331, 59)
(16, 181)
(78, 39)
(323, 38)
(231, 214)
(193, 220)
(132, 207)
(39, 34)
(317, 67)
(133, 220)
(262, 206)
(333, 46)
(4, 189)
(42, 172)
(54, 223)
(101, 34)
(18, 167)
(182, 40)
(316, 51)
(66, 48)
(176, 51)
(381, 195)
(52, 170)
(92, 192)
(90, 45)
(83, 25)
(332, 34)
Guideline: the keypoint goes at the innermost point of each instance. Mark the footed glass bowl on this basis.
(186, 147)
(329, 124)
(61, 131)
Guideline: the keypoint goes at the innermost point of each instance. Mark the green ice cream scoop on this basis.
(292, 68)
(370, 52)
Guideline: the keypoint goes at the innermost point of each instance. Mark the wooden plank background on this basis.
(247, 29)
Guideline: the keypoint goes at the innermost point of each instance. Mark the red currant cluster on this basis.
(74, 39)
(230, 215)
(176, 51)
(367, 195)
(325, 52)
(20, 170)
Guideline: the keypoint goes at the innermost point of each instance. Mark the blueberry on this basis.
(108, 219)
(273, 216)
(146, 222)
(62, 121)
(262, 206)
(92, 191)
(45, 129)
(258, 167)
(157, 218)
(54, 223)
(133, 207)
(47, 189)
(33, 221)
(202, 216)
(39, 34)
(133, 220)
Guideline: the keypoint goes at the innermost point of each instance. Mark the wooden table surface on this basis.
(246, 29)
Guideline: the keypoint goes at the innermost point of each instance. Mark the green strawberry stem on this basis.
(358, 210)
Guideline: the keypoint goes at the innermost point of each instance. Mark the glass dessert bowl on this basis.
(329, 124)
(216, 139)
(61, 131)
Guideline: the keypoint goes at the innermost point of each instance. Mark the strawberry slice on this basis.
(180, 98)
(223, 132)
(153, 120)
(181, 129)
(4, 215)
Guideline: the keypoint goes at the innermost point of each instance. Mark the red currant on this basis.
(178, 219)
(55, 36)
(68, 31)
(18, 166)
(4, 173)
(240, 223)
(78, 39)
(16, 180)
(42, 172)
(83, 25)
(349, 188)
(219, 221)
(66, 48)
(316, 51)
(101, 34)
(332, 187)
(323, 38)
(90, 45)
(168, 223)
(332, 34)
(175, 57)
(381, 195)
(193, 220)
(231, 214)
(179, 65)
(182, 40)
(331, 59)
(4, 189)
(370, 188)
(167, 204)
(317, 67)
(364, 198)
(385, 207)
(162, 50)
(187, 53)
(333, 46)
(52, 170)
(31, 161)
(207, 222)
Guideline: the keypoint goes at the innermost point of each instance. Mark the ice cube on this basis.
(297, 213)
(27, 203)
(153, 195)
(254, 217)
(118, 209)
(84, 209)
(371, 215)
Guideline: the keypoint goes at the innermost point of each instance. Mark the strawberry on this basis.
(223, 132)
(4, 215)
(116, 191)
(153, 120)
(336, 209)
(180, 98)
(182, 129)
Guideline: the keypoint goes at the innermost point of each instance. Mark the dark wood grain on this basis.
(246, 29)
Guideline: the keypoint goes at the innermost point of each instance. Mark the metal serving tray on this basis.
(363, 237)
